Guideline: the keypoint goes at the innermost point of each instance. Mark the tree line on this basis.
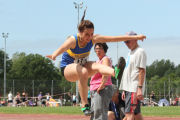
(26, 70)
(163, 77)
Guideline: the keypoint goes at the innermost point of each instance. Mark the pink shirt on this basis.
(97, 78)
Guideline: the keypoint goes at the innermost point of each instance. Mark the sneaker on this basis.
(120, 68)
(86, 110)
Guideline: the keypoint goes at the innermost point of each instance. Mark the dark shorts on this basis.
(10, 101)
(24, 100)
(44, 102)
(62, 70)
(18, 101)
(138, 109)
(131, 102)
(74, 101)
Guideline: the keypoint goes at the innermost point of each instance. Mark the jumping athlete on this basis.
(76, 49)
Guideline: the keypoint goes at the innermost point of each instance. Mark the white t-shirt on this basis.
(74, 98)
(10, 96)
(136, 59)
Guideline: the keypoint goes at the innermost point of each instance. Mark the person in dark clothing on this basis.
(116, 106)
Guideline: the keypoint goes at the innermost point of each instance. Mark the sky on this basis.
(41, 26)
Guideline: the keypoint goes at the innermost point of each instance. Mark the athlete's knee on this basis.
(84, 72)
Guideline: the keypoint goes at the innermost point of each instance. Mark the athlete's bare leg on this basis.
(74, 72)
(93, 68)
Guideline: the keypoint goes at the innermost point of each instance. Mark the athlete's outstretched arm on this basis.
(69, 43)
(100, 38)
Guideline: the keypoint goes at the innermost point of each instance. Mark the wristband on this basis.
(139, 86)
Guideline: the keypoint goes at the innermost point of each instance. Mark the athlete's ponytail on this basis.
(82, 19)
(85, 23)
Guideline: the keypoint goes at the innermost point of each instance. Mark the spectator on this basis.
(152, 98)
(17, 99)
(133, 79)
(47, 99)
(40, 99)
(60, 100)
(10, 99)
(74, 99)
(101, 86)
(116, 106)
(24, 98)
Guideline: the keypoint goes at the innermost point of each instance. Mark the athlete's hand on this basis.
(51, 57)
(141, 37)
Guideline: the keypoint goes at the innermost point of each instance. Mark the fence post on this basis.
(33, 89)
(164, 90)
(52, 89)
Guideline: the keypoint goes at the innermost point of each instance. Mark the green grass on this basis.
(41, 110)
(172, 111)
(146, 111)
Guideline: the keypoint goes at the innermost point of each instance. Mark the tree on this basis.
(177, 72)
(33, 67)
(8, 67)
(160, 68)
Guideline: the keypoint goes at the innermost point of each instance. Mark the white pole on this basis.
(78, 6)
(5, 36)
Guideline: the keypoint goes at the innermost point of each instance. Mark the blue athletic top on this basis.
(70, 55)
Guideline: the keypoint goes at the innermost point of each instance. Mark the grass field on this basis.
(173, 111)
(146, 111)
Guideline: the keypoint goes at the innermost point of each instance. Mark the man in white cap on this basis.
(133, 79)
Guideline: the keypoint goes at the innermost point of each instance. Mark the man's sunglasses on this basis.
(127, 42)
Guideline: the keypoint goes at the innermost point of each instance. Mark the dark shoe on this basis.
(120, 68)
(86, 110)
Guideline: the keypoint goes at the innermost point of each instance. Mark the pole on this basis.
(13, 88)
(5, 68)
(33, 89)
(164, 90)
(78, 6)
(5, 36)
(146, 88)
(52, 89)
(78, 15)
(169, 90)
(117, 82)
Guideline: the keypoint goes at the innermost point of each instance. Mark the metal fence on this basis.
(166, 89)
(34, 87)
(163, 90)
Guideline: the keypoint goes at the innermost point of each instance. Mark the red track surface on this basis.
(61, 117)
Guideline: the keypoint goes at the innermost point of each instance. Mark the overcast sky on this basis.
(41, 26)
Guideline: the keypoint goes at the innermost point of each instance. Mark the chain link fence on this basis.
(34, 87)
(169, 90)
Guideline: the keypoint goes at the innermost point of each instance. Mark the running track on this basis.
(61, 117)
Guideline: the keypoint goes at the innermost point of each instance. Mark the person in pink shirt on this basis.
(101, 86)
